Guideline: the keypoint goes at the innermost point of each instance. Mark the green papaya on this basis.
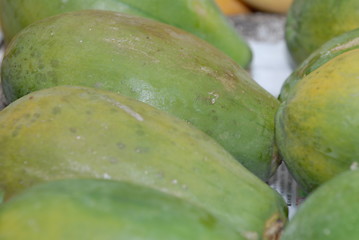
(329, 213)
(154, 63)
(334, 47)
(199, 17)
(85, 209)
(311, 23)
(78, 132)
(316, 126)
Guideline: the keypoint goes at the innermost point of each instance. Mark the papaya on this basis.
(70, 132)
(202, 18)
(311, 23)
(316, 126)
(154, 63)
(334, 47)
(329, 212)
(85, 209)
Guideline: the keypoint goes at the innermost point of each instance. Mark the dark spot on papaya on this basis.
(36, 115)
(214, 118)
(174, 129)
(73, 130)
(15, 132)
(54, 63)
(55, 81)
(56, 110)
(35, 54)
(208, 221)
(121, 145)
(140, 132)
(88, 112)
(41, 66)
(27, 116)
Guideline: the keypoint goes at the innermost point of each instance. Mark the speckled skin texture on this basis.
(102, 209)
(76, 132)
(154, 63)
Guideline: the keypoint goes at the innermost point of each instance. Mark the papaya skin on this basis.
(199, 17)
(334, 47)
(310, 24)
(77, 132)
(154, 63)
(316, 128)
(86, 209)
(329, 213)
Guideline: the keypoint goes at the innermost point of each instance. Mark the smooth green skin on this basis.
(102, 209)
(334, 47)
(317, 126)
(154, 63)
(330, 213)
(199, 17)
(311, 23)
(78, 132)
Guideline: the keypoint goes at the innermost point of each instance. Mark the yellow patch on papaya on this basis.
(317, 123)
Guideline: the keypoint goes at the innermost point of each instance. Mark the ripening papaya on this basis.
(199, 17)
(334, 47)
(329, 213)
(317, 123)
(311, 23)
(154, 63)
(85, 209)
(78, 132)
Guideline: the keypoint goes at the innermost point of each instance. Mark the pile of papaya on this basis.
(141, 120)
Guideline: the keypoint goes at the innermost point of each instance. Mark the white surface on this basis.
(270, 65)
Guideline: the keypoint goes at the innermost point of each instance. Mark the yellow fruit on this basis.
(317, 124)
(233, 7)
